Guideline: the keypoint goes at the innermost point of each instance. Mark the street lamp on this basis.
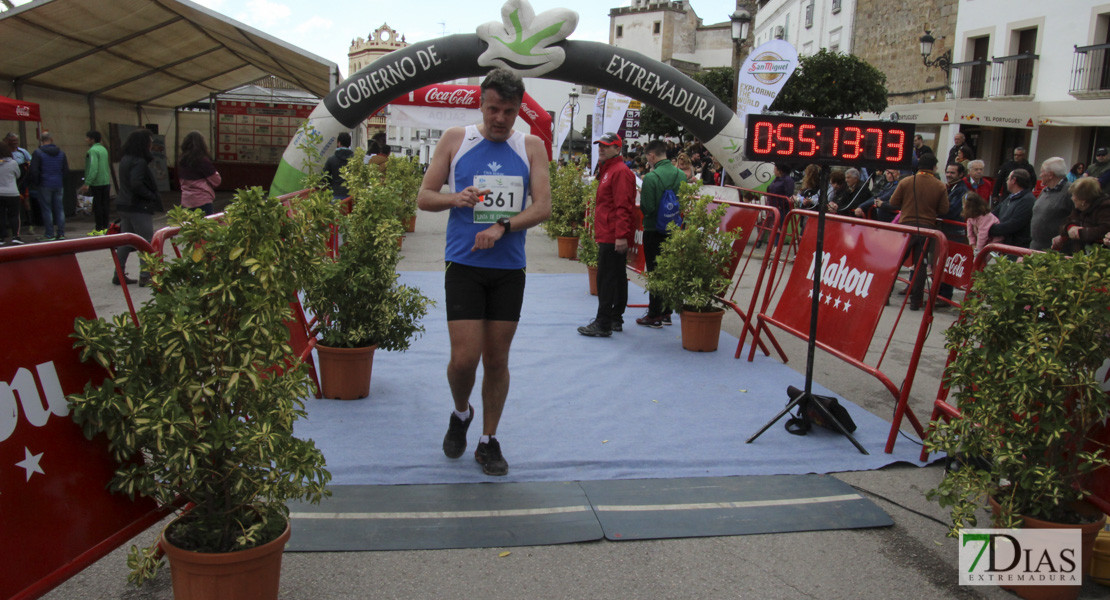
(942, 62)
(741, 19)
(573, 101)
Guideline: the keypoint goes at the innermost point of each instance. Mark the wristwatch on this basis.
(504, 222)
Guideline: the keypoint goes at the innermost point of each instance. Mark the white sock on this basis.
(485, 439)
(463, 416)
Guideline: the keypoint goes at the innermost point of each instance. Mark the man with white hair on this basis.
(975, 180)
(1053, 206)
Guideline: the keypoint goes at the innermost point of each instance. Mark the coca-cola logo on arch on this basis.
(458, 97)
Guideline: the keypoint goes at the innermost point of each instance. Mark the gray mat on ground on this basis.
(639, 509)
(424, 517)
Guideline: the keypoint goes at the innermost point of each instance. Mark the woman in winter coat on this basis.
(1089, 222)
(138, 198)
(196, 175)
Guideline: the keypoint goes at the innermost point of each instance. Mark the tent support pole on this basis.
(92, 113)
(22, 124)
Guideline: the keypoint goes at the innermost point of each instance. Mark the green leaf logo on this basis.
(525, 42)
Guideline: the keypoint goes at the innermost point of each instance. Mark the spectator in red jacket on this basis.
(613, 231)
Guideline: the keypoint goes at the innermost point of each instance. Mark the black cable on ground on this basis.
(899, 505)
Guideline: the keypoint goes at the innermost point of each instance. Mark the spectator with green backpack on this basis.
(659, 204)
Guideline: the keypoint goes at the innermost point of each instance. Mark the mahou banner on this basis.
(859, 267)
(763, 74)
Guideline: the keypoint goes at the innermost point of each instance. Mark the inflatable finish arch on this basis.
(532, 46)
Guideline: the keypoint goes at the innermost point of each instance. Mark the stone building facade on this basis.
(672, 33)
(887, 35)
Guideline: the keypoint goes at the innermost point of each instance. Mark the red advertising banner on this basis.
(256, 132)
(469, 96)
(58, 515)
(957, 267)
(859, 267)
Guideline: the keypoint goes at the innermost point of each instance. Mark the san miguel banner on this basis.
(859, 267)
(531, 45)
(763, 74)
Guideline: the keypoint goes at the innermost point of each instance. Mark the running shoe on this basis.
(454, 443)
(489, 456)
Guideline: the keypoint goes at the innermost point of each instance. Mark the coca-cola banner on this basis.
(957, 267)
(467, 97)
(531, 45)
(859, 266)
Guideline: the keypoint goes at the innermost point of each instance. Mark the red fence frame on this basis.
(28, 583)
(901, 394)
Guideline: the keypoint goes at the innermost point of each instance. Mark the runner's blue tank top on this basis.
(479, 157)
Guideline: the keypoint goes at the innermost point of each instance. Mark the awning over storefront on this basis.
(165, 53)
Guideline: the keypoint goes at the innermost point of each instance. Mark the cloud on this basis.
(315, 23)
(264, 13)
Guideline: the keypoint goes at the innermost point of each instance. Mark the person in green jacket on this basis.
(98, 178)
(663, 176)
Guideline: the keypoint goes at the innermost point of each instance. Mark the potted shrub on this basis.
(354, 295)
(569, 190)
(587, 245)
(691, 270)
(408, 175)
(1030, 342)
(200, 399)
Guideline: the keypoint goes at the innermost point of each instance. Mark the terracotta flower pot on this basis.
(345, 372)
(410, 224)
(568, 247)
(591, 273)
(252, 574)
(701, 330)
(1088, 531)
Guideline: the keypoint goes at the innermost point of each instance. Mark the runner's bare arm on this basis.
(430, 197)
(537, 211)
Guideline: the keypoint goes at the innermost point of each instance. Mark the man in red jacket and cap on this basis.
(613, 231)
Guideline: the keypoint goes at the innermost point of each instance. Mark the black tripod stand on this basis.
(808, 392)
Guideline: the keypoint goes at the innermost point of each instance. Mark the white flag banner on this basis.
(431, 117)
(597, 130)
(609, 111)
(566, 122)
(763, 74)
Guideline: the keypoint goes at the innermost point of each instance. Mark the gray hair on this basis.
(10, 136)
(1056, 165)
(976, 163)
(47, 137)
(852, 172)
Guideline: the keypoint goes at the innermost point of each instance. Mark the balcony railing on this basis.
(969, 79)
(1090, 71)
(1012, 76)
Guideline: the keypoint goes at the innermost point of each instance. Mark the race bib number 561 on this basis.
(505, 197)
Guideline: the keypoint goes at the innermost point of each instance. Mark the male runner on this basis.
(491, 171)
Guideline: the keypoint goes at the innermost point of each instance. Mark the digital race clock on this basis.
(846, 142)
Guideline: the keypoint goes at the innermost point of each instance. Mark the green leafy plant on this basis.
(1031, 342)
(831, 84)
(692, 267)
(355, 295)
(569, 191)
(587, 245)
(407, 175)
(199, 399)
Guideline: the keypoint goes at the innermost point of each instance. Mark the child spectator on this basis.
(979, 220)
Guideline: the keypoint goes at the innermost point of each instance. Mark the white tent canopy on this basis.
(164, 53)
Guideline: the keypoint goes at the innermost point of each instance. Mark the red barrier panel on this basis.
(860, 264)
(58, 516)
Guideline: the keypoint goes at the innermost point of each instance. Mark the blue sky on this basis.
(328, 31)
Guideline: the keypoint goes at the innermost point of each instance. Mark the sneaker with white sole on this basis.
(454, 442)
(488, 455)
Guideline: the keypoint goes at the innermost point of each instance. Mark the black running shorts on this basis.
(475, 293)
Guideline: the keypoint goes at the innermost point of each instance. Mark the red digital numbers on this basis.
(829, 141)
(784, 137)
(855, 142)
(812, 141)
(899, 151)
